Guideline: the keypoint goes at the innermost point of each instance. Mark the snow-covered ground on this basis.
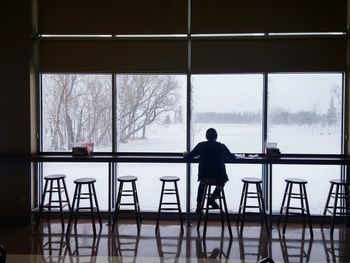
(239, 138)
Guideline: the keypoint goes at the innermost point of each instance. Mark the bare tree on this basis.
(78, 108)
(142, 99)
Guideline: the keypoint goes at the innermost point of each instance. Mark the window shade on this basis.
(112, 17)
(273, 55)
(268, 16)
(112, 56)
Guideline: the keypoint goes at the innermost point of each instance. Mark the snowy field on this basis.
(239, 138)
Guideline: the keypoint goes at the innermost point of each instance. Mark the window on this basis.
(305, 116)
(76, 108)
(151, 113)
(232, 104)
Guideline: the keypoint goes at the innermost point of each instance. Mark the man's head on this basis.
(211, 134)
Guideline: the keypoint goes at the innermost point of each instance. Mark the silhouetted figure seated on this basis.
(211, 169)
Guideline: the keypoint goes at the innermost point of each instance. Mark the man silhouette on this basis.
(212, 156)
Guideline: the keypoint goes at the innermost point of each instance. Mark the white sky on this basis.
(294, 92)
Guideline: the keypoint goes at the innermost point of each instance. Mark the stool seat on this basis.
(55, 176)
(295, 180)
(253, 180)
(169, 178)
(85, 180)
(339, 182)
(127, 178)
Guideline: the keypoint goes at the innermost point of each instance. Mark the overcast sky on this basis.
(294, 92)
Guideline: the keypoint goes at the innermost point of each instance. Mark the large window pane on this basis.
(232, 104)
(305, 112)
(305, 116)
(151, 113)
(76, 108)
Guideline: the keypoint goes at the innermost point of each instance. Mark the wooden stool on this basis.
(127, 192)
(169, 191)
(338, 208)
(57, 185)
(254, 195)
(304, 204)
(207, 194)
(89, 195)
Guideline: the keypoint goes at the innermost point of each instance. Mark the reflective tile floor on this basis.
(48, 244)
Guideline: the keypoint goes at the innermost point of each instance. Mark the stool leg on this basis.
(334, 208)
(160, 206)
(347, 203)
(117, 205)
(263, 208)
(327, 203)
(77, 206)
(283, 202)
(96, 205)
(66, 193)
(240, 204)
(92, 209)
(50, 199)
(202, 205)
(136, 206)
(308, 212)
(221, 210)
(206, 212)
(71, 211)
(287, 209)
(60, 202)
(226, 210)
(179, 205)
(42, 204)
(244, 208)
(302, 199)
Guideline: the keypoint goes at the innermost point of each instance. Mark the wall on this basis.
(15, 126)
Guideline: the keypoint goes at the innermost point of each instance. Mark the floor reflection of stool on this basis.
(127, 193)
(341, 201)
(296, 249)
(301, 195)
(90, 195)
(54, 183)
(208, 195)
(256, 195)
(169, 191)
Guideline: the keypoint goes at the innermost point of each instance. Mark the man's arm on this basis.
(229, 156)
(193, 153)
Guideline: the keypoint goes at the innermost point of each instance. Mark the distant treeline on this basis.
(275, 117)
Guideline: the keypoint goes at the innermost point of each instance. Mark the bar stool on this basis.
(207, 194)
(286, 202)
(253, 195)
(89, 195)
(169, 191)
(338, 208)
(127, 193)
(57, 185)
